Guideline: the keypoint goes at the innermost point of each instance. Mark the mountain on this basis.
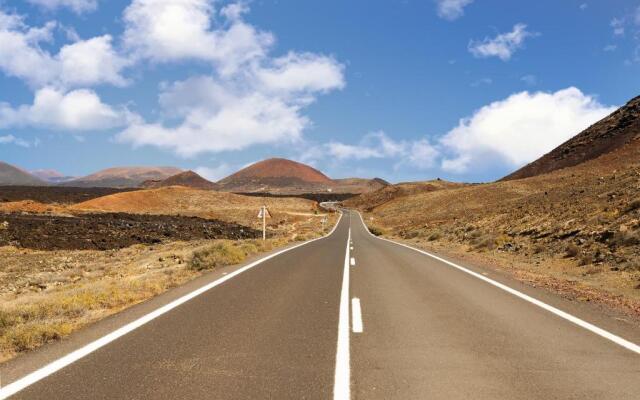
(187, 179)
(123, 177)
(605, 136)
(277, 175)
(358, 185)
(51, 175)
(10, 175)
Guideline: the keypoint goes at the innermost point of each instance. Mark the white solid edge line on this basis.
(562, 314)
(70, 358)
(353, 261)
(342, 378)
(356, 316)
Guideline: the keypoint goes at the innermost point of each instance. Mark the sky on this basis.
(464, 90)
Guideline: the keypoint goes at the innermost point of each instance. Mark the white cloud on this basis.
(174, 30)
(519, 129)
(502, 46)
(78, 6)
(305, 72)
(214, 174)
(636, 18)
(10, 139)
(423, 154)
(610, 47)
(377, 145)
(91, 62)
(452, 9)
(20, 53)
(78, 110)
(82, 63)
(250, 99)
(583, 6)
(618, 26)
(217, 117)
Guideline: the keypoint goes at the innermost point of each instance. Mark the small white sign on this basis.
(264, 212)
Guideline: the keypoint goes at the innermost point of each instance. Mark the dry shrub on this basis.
(626, 238)
(538, 248)
(376, 230)
(217, 255)
(484, 242)
(586, 259)
(633, 205)
(572, 250)
(434, 236)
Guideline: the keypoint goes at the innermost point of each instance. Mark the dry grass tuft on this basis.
(218, 255)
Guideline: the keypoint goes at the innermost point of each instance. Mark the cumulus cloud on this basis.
(503, 45)
(452, 9)
(77, 110)
(10, 139)
(251, 98)
(306, 72)
(91, 62)
(174, 30)
(216, 117)
(82, 63)
(519, 129)
(78, 6)
(377, 145)
(20, 52)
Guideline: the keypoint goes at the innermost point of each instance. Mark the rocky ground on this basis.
(110, 230)
(54, 194)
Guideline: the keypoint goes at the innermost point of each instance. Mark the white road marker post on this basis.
(264, 213)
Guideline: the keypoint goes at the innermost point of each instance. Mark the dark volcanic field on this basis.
(110, 231)
(318, 197)
(55, 194)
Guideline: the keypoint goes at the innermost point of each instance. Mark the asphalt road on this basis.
(277, 331)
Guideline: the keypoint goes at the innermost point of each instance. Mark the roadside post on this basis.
(264, 214)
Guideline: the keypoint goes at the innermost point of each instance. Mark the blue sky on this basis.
(466, 90)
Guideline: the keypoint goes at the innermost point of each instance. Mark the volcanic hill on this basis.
(186, 179)
(277, 175)
(12, 176)
(123, 177)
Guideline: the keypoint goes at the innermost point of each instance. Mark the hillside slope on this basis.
(605, 136)
(13, 176)
(276, 175)
(575, 230)
(123, 177)
(187, 179)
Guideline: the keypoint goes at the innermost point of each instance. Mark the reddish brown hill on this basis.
(276, 175)
(605, 136)
(187, 179)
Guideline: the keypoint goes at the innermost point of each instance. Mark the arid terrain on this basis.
(71, 256)
(575, 230)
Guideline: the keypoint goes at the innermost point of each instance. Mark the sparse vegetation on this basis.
(218, 255)
(46, 295)
(633, 205)
(572, 250)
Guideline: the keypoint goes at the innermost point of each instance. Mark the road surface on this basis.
(351, 316)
